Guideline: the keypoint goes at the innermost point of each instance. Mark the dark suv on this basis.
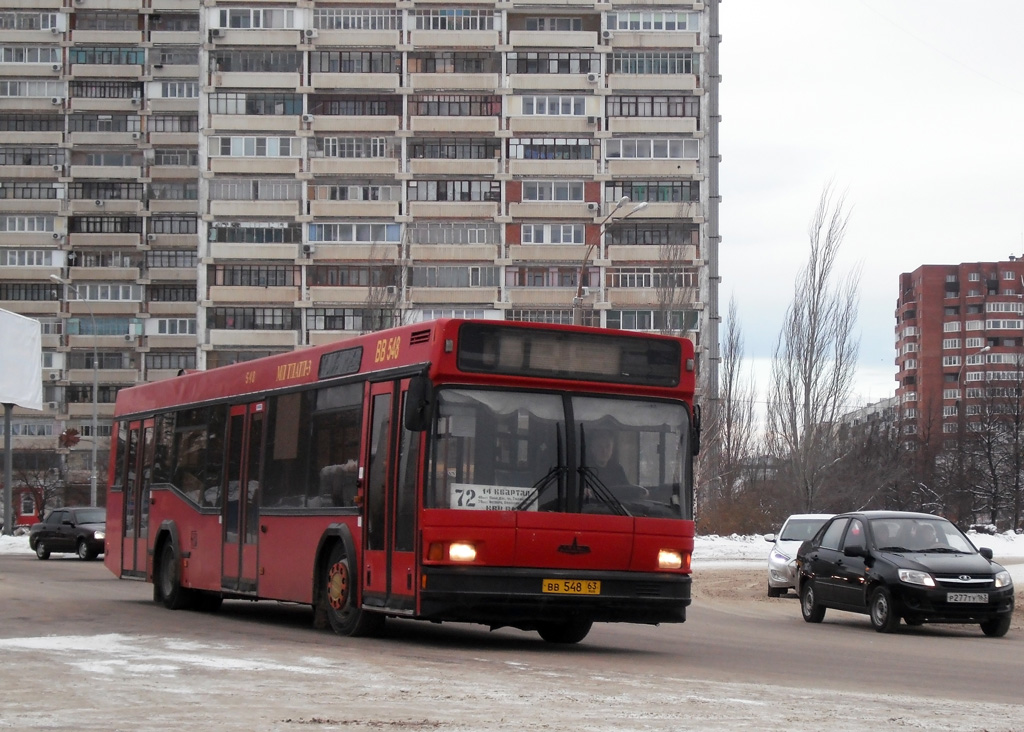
(74, 529)
(893, 564)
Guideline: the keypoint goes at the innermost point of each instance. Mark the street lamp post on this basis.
(95, 385)
(577, 301)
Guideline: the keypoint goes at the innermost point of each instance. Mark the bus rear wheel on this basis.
(570, 631)
(343, 611)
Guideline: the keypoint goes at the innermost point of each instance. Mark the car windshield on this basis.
(91, 516)
(527, 451)
(919, 535)
(801, 529)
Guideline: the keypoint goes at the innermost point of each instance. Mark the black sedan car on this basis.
(894, 564)
(79, 529)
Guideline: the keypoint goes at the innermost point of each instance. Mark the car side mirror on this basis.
(986, 552)
(855, 550)
(769, 538)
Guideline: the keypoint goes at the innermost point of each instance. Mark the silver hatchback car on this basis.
(797, 529)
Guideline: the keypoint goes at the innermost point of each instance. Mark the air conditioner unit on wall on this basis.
(592, 206)
(56, 100)
(592, 78)
(56, 67)
(136, 135)
(98, 202)
(591, 120)
(54, 377)
(308, 248)
(310, 33)
(150, 237)
(307, 118)
(607, 35)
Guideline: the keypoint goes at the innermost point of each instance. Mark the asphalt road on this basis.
(80, 649)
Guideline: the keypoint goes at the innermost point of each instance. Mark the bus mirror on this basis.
(418, 402)
(695, 431)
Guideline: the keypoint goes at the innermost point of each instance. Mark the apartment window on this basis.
(975, 309)
(248, 318)
(554, 25)
(553, 148)
(244, 275)
(554, 106)
(553, 233)
(176, 22)
(355, 62)
(355, 147)
(949, 427)
(351, 319)
(255, 103)
(29, 428)
(648, 277)
(255, 232)
(176, 157)
(563, 316)
(650, 320)
(25, 190)
(975, 325)
(105, 56)
(357, 106)
(949, 410)
(950, 360)
(455, 105)
(176, 326)
(175, 55)
(353, 275)
(31, 123)
(99, 258)
(104, 123)
(553, 190)
(465, 313)
(655, 62)
(349, 192)
(105, 225)
(28, 20)
(177, 89)
(256, 18)
(974, 342)
(455, 148)
(453, 19)
(553, 62)
(1009, 276)
(362, 233)
(32, 89)
(949, 343)
(542, 276)
(172, 259)
(652, 149)
(1004, 307)
(106, 190)
(104, 292)
(1004, 324)
(912, 330)
(174, 123)
(972, 277)
(653, 191)
(951, 327)
(30, 54)
(653, 106)
(26, 224)
(911, 413)
(27, 258)
(258, 61)
(106, 21)
(455, 190)
(910, 363)
(454, 62)
(458, 232)
(442, 276)
(371, 19)
(909, 348)
(27, 292)
(629, 232)
(171, 360)
(172, 293)
(255, 147)
(260, 189)
(634, 21)
(951, 310)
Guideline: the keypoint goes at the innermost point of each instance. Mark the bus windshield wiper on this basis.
(601, 491)
(555, 472)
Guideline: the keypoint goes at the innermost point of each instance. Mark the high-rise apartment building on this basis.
(959, 343)
(186, 185)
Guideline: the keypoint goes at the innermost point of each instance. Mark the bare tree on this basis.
(815, 357)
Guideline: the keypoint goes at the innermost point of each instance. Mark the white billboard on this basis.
(21, 361)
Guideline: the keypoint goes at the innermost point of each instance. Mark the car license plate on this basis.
(966, 597)
(571, 587)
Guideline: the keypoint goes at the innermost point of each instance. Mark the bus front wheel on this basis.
(340, 597)
(570, 631)
(167, 583)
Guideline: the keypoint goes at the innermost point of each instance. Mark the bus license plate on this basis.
(571, 587)
(966, 597)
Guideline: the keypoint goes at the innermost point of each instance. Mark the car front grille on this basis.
(965, 582)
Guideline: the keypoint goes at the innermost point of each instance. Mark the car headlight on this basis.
(100, 534)
(916, 577)
(778, 557)
(1003, 579)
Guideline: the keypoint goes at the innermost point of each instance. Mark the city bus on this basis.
(437, 471)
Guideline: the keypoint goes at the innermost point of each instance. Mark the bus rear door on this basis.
(240, 510)
(137, 467)
(389, 558)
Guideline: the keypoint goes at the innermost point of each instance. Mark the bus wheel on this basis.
(343, 613)
(571, 631)
(167, 583)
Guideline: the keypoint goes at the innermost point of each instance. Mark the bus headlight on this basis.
(461, 551)
(670, 559)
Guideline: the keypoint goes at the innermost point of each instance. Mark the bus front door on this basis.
(240, 512)
(137, 467)
(389, 557)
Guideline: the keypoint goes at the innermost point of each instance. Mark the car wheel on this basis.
(996, 627)
(809, 608)
(776, 591)
(343, 612)
(570, 631)
(83, 551)
(883, 614)
(41, 551)
(167, 583)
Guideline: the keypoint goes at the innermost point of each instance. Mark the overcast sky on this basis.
(913, 108)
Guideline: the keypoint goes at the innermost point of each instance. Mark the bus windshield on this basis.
(506, 450)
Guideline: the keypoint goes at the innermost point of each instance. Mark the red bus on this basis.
(438, 471)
